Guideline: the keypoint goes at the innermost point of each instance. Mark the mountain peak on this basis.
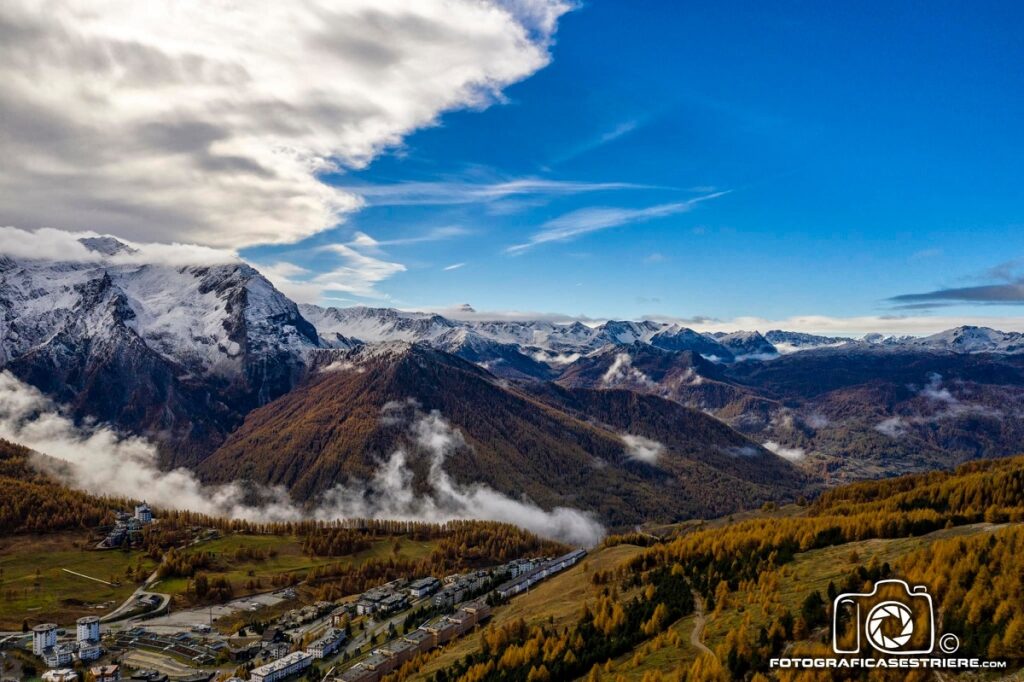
(107, 246)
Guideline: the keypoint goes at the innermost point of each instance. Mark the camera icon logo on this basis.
(892, 618)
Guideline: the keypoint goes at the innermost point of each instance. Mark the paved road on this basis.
(130, 602)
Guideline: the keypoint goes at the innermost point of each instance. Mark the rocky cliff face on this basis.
(177, 353)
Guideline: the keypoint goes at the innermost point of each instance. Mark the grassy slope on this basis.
(289, 559)
(61, 597)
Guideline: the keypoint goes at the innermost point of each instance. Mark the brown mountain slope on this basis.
(330, 430)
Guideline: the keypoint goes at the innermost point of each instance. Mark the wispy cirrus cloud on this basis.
(454, 192)
(606, 137)
(453, 266)
(356, 273)
(593, 219)
(435, 234)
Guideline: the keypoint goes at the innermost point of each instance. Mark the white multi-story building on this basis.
(326, 645)
(44, 637)
(63, 675)
(143, 513)
(88, 629)
(282, 668)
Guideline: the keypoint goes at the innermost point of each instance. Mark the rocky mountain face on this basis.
(177, 353)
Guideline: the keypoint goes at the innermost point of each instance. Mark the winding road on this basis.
(700, 620)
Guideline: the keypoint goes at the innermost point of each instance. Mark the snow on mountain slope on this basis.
(208, 319)
(745, 345)
(790, 342)
(179, 353)
(372, 325)
(973, 340)
(678, 338)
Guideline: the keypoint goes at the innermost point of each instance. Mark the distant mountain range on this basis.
(559, 344)
(234, 380)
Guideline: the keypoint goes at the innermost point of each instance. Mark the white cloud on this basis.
(47, 243)
(586, 220)
(643, 449)
(622, 372)
(105, 463)
(453, 192)
(598, 141)
(361, 240)
(99, 460)
(209, 122)
(934, 390)
(894, 427)
(390, 492)
(453, 266)
(356, 273)
(897, 325)
(792, 454)
(343, 366)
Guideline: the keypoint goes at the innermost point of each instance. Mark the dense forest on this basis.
(33, 502)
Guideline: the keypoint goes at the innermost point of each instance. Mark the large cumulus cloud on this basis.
(210, 121)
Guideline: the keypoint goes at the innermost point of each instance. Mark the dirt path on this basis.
(700, 620)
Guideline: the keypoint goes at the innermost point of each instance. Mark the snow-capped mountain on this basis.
(972, 340)
(181, 352)
(547, 342)
(789, 342)
(678, 338)
(208, 319)
(372, 325)
(745, 344)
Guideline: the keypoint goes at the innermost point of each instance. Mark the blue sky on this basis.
(715, 159)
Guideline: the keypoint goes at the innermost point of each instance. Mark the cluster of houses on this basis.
(394, 597)
(434, 633)
(128, 527)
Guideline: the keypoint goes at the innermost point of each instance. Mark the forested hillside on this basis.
(717, 603)
(559, 447)
(32, 502)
